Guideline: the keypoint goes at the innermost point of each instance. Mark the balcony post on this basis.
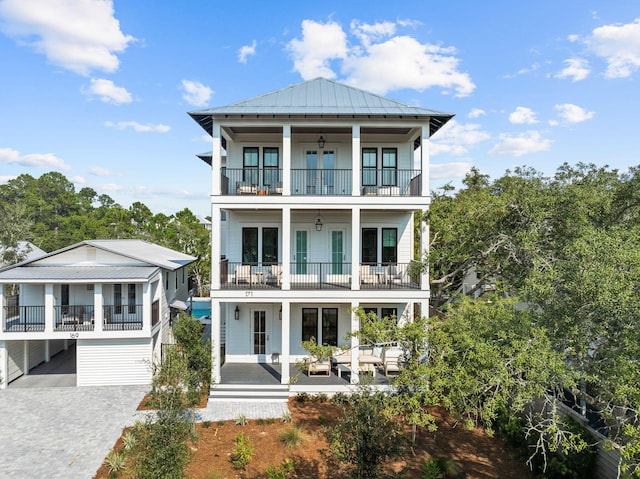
(216, 339)
(48, 308)
(285, 335)
(286, 160)
(425, 144)
(355, 248)
(355, 343)
(355, 160)
(424, 249)
(286, 248)
(3, 316)
(4, 363)
(216, 247)
(146, 307)
(216, 161)
(98, 307)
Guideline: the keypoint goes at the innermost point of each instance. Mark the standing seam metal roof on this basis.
(321, 97)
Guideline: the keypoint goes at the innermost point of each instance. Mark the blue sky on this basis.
(98, 90)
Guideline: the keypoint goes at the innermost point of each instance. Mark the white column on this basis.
(98, 307)
(284, 357)
(355, 160)
(25, 358)
(146, 307)
(48, 308)
(425, 144)
(216, 161)
(4, 364)
(286, 248)
(216, 341)
(355, 248)
(216, 246)
(355, 343)
(3, 303)
(424, 250)
(286, 160)
(47, 351)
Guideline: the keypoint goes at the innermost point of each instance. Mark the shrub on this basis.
(302, 397)
(441, 468)
(339, 399)
(115, 462)
(241, 420)
(242, 451)
(291, 436)
(286, 417)
(128, 440)
(320, 397)
(283, 471)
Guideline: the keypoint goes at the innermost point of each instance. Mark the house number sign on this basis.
(74, 335)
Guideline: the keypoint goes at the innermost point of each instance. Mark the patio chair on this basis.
(319, 367)
(243, 273)
(397, 273)
(275, 276)
(391, 360)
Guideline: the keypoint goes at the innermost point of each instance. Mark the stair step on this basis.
(248, 392)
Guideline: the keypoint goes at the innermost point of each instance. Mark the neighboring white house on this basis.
(113, 300)
(318, 183)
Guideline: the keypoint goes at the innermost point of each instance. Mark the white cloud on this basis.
(35, 160)
(78, 35)
(110, 187)
(449, 170)
(577, 69)
(522, 144)
(79, 180)
(246, 51)
(523, 115)
(377, 59)
(454, 138)
(619, 46)
(195, 93)
(571, 113)
(100, 171)
(320, 43)
(138, 127)
(4, 179)
(108, 92)
(476, 113)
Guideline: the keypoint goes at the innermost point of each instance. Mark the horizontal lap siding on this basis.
(15, 352)
(36, 353)
(114, 362)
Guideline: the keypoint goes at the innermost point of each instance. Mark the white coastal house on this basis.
(314, 191)
(111, 300)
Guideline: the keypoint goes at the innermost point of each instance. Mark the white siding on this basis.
(114, 362)
(15, 355)
(36, 353)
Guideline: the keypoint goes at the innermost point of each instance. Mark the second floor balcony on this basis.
(321, 182)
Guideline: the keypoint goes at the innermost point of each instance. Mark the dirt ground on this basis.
(479, 455)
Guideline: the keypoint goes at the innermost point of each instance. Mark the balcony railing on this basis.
(20, 319)
(126, 317)
(321, 182)
(318, 182)
(74, 318)
(320, 275)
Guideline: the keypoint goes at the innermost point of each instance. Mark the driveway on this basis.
(62, 432)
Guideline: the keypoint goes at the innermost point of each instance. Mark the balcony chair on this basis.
(246, 189)
(391, 360)
(243, 273)
(396, 274)
(275, 276)
(367, 275)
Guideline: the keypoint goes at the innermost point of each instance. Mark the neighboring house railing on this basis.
(23, 318)
(125, 317)
(321, 182)
(155, 312)
(74, 318)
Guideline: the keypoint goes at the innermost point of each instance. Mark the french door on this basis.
(260, 332)
(301, 251)
(337, 251)
(320, 176)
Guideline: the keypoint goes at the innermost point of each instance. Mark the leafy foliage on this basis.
(242, 451)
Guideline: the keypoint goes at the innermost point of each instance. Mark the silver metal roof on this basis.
(72, 274)
(321, 97)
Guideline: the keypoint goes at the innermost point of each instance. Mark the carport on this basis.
(59, 371)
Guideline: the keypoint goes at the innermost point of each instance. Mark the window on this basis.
(64, 298)
(176, 276)
(330, 326)
(389, 245)
(309, 324)
(369, 246)
(369, 165)
(166, 281)
(390, 313)
(250, 165)
(132, 299)
(183, 274)
(269, 246)
(390, 167)
(117, 298)
(271, 163)
(249, 245)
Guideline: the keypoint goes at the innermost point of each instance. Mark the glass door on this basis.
(300, 255)
(312, 172)
(259, 332)
(328, 172)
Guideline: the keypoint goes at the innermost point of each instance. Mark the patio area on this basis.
(269, 375)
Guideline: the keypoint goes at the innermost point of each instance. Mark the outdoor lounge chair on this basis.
(243, 273)
(319, 367)
(391, 360)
